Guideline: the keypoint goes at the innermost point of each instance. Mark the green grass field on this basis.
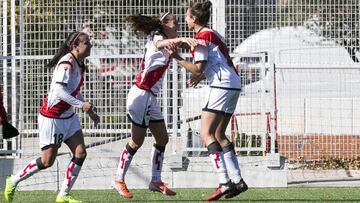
(332, 194)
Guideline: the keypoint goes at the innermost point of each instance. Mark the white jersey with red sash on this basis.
(68, 72)
(141, 104)
(153, 66)
(219, 69)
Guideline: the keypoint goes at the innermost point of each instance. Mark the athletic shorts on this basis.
(56, 131)
(219, 100)
(142, 107)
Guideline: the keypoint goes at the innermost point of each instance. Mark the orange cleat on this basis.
(120, 186)
(220, 191)
(161, 187)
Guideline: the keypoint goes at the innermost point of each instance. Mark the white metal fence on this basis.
(293, 56)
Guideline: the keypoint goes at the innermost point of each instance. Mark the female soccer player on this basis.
(213, 62)
(142, 107)
(58, 121)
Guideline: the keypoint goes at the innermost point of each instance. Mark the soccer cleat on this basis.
(161, 187)
(9, 190)
(66, 199)
(237, 189)
(220, 191)
(120, 186)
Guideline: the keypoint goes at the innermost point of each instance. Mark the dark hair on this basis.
(201, 11)
(146, 24)
(66, 47)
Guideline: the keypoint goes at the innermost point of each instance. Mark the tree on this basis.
(338, 20)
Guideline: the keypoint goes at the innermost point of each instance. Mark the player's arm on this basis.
(194, 80)
(62, 76)
(91, 112)
(201, 56)
(62, 94)
(181, 41)
(196, 69)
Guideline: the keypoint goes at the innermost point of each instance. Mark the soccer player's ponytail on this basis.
(66, 47)
(145, 24)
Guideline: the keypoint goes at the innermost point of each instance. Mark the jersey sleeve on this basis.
(80, 97)
(201, 53)
(62, 72)
(157, 38)
(66, 97)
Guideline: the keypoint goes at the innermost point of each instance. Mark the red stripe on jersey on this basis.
(150, 78)
(59, 108)
(210, 36)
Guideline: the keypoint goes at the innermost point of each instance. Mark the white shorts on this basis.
(142, 107)
(221, 100)
(56, 131)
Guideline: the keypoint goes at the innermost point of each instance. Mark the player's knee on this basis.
(162, 139)
(135, 145)
(47, 164)
(205, 137)
(222, 139)
(81, 154)
(44, 163)
(165, 140)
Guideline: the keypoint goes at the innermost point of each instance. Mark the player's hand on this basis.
(194, 80)
(94, 116)
(172, 48)
(87, 106)
(190, 42)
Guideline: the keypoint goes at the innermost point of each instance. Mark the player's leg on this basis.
(136, 141)
(209, 122)
(158, 130)
(77, 146)
(230, 158)
(232, 165)
(49, 145)
(74, 139)
(46, 160)
(211, 117)
(137, 107)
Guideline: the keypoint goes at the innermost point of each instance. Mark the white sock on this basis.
(232, 166)
(125, 160)
(30, 169)
(157, 162)
(217, 159)
(71, 175)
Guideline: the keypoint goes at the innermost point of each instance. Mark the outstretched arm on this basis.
(189, 42)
